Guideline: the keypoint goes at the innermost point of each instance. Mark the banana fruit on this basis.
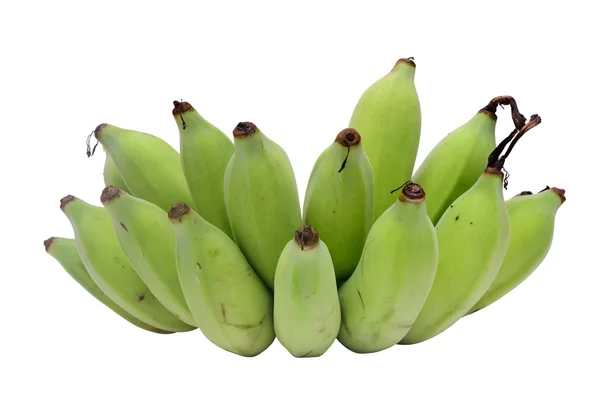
(148, 165)
(109, 267)
(261, 199)
(339, 200)
(306, 306)
(111, 174)
(205, 152)
(388, 117)
(147, 239)
(473, 236)
(531, 230)
(231, 305)
(64, 251)
(384, 295)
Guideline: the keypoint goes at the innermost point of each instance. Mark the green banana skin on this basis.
(111, 174)
(386, 292)
(473, 237)
(306, 306)
(339, 201)
(231, 305)
(64, 251)
(388, 117)
(110, 268)
(149, 166)
(531, 231)
(205, 152)
(261, 199)
(147, 239)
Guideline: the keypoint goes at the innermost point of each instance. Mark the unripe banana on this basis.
(339, 200)
(307, 309)
(531, 231)
(388, 117)
(384, 295)
(456, 162)
(111, 174)
(473, 237)
(205, 152)
(261, 198)
(147, 239)
(231, 305)
(109, 267)
(65, 252)
(149, 166)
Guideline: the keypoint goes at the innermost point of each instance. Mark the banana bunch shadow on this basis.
(214, 237)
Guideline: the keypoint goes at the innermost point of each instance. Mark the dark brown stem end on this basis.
(412, 192)
(98, 131)
(518, 118)
(348, 137)
(178, 211)
(109, 193)
(306, 237)
(244, 129)
(65, 200)
(48, 243)
(409, 60)
(560, 193)
(181, 107)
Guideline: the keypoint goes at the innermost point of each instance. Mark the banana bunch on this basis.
(381, 253)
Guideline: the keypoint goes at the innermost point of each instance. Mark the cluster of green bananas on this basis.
(213, 236)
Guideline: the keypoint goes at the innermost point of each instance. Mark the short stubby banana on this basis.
(473, 236)
(147, 239)
(64, 250)
(149, 166)
(339, 201)
(205, 151)
(110, 268)
(111, 174)
(231, 305)
(388, 117)
(532, 219)
(261, 198)
(384, 295)
(307, 309)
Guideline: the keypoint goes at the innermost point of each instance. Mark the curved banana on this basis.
(384, 295)
(339, 200)
(108, 266)
(205, 152)
(149, 166)
(231, 305)
(531, 231)
(111, 174)
(147, 239)
(473, 237)
(388, 117)
(261, 199)
(307, 310)
(64, 251)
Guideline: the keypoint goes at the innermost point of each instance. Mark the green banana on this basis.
(339, 200)
(147, 239)
(149, 166)
(231, 305)
(473, 236)
(261, 199)
(531, 231)
(205, 152)
(384, 295)
(456, 162)
(109, 267)
(111, 174)
(388, 117)
(64, 251)
(306, 306)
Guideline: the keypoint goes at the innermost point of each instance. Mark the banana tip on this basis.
(109, 193)
(181, 107)
(244, 129)
(66, 200)
(99, 130)
(306, 237)
(408, 60)
(348, 137)
(178, 211)
(412, 192)
(560, 193)
(48, 243)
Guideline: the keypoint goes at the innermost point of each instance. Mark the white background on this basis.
(297, 72)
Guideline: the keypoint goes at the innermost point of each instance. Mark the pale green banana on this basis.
(231, 305)
(339, 200)
(64, 251)
(456, 162)
(307, 310)
(384, 295)
(531, 232)
(109, 267)
(473, 236)
(111, 174)
(388, 117)
(147, 239)
(261, 198)
(205, 151)
(149, 166)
